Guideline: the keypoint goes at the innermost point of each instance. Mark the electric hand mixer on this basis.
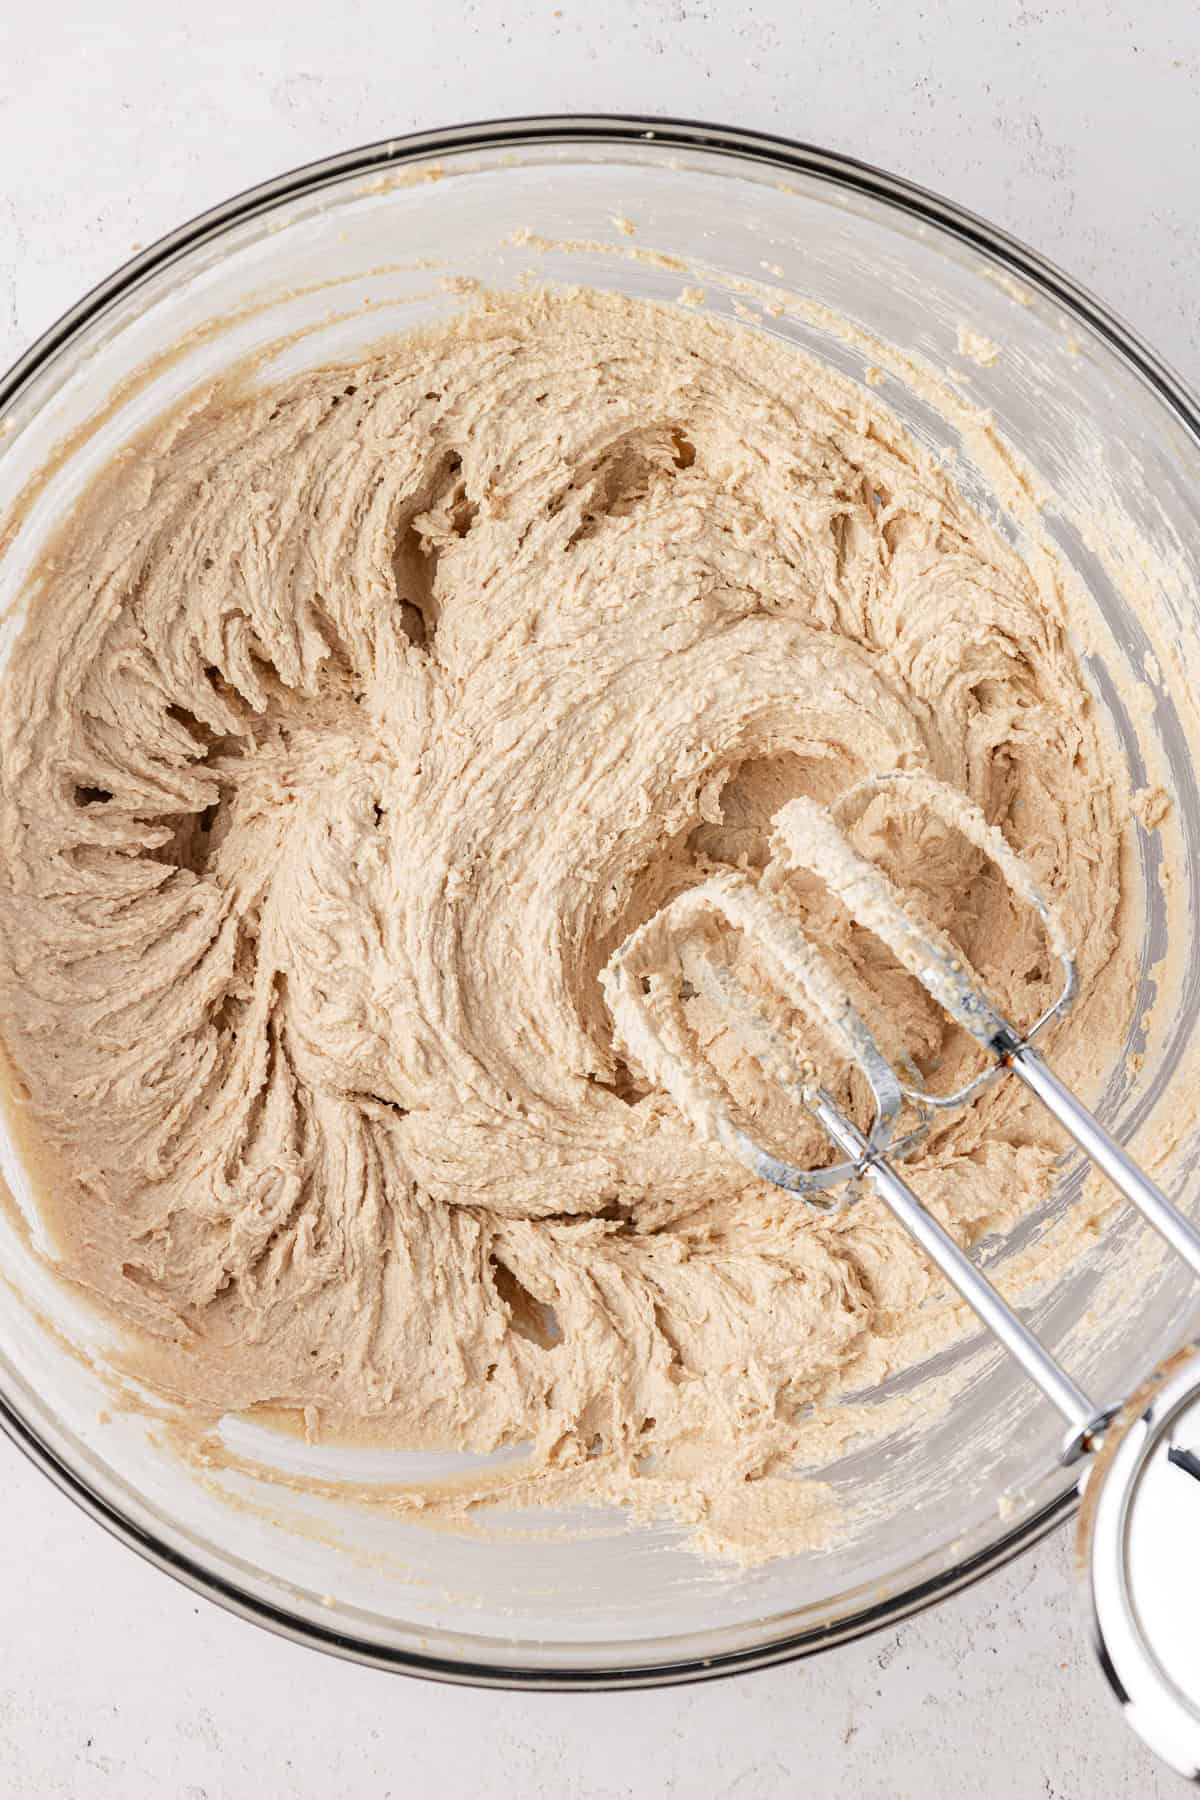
(1140, 1524)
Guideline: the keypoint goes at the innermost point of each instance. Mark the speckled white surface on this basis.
(1077, 126)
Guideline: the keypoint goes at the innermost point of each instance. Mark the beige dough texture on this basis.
(358, 718)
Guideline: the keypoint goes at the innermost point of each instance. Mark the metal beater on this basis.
(1140, 1524)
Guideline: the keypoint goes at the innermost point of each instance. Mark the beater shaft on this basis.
(1030, 1067)
(1084, 1419)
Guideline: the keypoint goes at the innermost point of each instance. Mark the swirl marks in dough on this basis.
(357, 720)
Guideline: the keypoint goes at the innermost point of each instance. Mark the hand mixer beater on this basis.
(1141, 1520)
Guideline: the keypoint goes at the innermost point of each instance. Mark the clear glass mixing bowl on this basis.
(362, 245)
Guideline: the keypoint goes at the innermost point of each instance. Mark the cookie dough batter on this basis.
(357, 721)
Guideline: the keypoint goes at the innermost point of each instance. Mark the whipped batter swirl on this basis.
(358, 720)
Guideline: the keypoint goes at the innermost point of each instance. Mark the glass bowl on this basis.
(793, 241)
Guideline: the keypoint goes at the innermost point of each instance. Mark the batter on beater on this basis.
(356, 721)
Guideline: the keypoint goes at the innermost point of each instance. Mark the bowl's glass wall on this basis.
(609, 1596)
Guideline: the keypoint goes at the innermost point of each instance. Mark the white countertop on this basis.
(1075, 124)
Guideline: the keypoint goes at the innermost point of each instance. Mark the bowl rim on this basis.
(665, 134)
